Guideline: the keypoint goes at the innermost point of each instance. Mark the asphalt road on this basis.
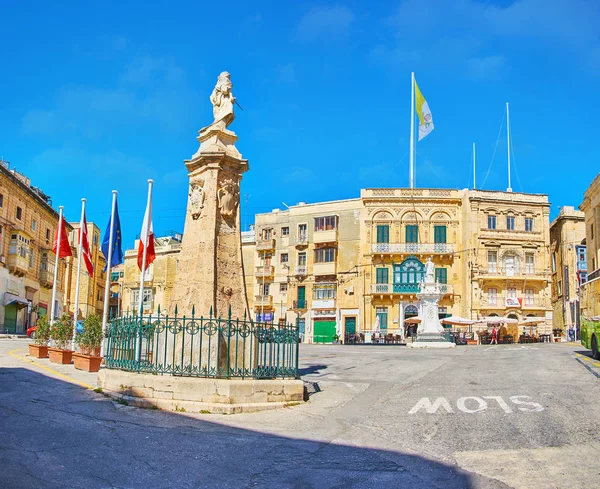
(473, 417)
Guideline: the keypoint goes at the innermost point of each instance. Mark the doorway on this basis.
(410, 311)
(10, 318)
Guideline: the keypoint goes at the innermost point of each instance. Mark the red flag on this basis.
(65, 248)
(85, 246)
(146, 239)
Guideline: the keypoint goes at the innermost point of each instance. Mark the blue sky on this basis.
(97, 96)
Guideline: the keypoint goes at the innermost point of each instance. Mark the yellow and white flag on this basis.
(425, 119)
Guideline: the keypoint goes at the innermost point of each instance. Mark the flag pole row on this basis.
(111, 249)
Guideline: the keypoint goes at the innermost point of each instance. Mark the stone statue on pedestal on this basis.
(429, 271)
(222, 99)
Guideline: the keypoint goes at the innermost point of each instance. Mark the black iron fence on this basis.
(203, 347)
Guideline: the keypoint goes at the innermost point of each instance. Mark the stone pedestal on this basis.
(430, 333)
(210, 272)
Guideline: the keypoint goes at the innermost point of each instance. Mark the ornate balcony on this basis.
(264, 271)
(46, 278)
(529, 274)
(265, 244)
(412, 248)
(502, 302)
(17, 264)
(299, 304)
(263, 301)
(300, 270)
(301, 240)
(398, 289)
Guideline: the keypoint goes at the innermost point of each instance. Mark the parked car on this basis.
(31, 330)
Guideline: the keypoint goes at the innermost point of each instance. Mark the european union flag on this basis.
(117, 251)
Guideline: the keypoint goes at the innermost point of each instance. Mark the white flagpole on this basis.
(52, 306)
(146, 231)
(79, 253)
(108, 261)
(147, 224)
(474, 169)
(412, 130)
(509, 189)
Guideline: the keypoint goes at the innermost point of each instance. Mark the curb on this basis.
(588, 363)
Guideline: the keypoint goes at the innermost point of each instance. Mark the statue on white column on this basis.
(429, 271)
(222, 99)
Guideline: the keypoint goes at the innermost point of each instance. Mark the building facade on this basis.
(568, 266)
(28, 224)
(91, 289)
(590, 291)
(159, 277)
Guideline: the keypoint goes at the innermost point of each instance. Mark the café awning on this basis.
(497, 320)
(457, 321)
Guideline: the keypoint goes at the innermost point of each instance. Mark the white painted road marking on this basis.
(473, 404)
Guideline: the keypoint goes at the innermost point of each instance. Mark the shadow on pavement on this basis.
(56, 434)
(311, 369)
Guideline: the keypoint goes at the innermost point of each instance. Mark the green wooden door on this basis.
(350, 325)
(323, 331)
(301, 297)
(10, 318)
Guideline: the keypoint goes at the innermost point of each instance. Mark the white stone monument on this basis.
(430, 333)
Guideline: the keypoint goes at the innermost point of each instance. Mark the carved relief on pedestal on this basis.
(228, 196)
(196, 196)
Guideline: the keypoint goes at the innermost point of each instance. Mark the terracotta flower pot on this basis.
(89, 363)
(471, 342)
(38, 351)
(63, 357)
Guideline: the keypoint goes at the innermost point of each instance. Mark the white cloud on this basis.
(325, 22)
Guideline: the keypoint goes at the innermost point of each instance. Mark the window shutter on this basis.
(439, 234)
(441, 275)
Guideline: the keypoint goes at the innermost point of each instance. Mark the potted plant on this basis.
(89, 341)
(61, 333)
(39, 349)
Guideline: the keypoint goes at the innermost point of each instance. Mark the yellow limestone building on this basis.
(338, 266)
(590, 291)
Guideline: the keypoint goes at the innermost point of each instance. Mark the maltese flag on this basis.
(146, 245)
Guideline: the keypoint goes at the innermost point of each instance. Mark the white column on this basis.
(79, 253)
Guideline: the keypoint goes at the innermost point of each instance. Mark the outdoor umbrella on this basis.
(413, 320)
(376, 325)
(531, 321)
(497, 320)
(457, 321)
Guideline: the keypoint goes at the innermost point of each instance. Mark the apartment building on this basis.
(568, 266)
(590, 291)
(343, 266)
(505, 253)
(91, 289)
(27, 264)
(306, 266)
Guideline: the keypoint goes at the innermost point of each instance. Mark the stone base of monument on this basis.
(200, 395)
(431, 340)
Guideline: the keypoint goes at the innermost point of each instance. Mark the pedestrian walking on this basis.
(494, 336)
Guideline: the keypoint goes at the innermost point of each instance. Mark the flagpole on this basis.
(52, 306)
(509, 189)
(474, 169)
(138, 343)
(108, 262)
(79, 253)
(141, 308)
(412, 130)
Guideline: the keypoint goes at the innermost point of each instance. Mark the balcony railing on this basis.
(582, 266)
(301, 240)
(594, 274)
(500, 302)
(328, 236)
(263, 301)
(300, 270)
(530, 273)
(299, 304)
(446, 289)
(407, 248)
(264, 271)
(265, 244)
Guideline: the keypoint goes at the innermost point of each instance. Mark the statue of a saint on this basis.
(429, 271)
(222, 99)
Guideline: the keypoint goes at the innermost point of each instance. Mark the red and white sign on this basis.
(513, 302)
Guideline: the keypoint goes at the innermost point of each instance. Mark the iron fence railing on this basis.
(203, 347)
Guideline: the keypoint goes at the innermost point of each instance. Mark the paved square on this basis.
(473, 417)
